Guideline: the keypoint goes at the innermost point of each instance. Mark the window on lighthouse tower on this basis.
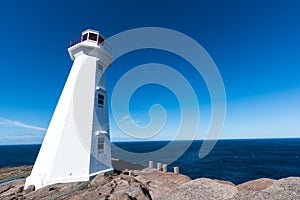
(100, 100)
(100, 143)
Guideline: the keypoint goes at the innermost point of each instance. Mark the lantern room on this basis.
(90, 36)
(90, 39)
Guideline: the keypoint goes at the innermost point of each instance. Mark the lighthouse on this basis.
(76, 146)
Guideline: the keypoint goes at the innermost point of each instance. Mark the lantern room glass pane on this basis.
(84, 37)
(100, 40)
(93, 36)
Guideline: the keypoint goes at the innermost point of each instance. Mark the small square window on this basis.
(100, 100)
(100, 96)
(100, 67)
(93, 36)
(100, 143)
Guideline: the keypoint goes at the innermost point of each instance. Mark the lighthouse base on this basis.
(39, 181)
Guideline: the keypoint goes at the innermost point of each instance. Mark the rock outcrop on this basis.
(260, 189)
(159, 183)
(151, 184)
(13, 173)
(283, 189)
(256, 185)
(202, 188)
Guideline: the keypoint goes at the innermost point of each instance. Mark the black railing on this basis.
(75, 41)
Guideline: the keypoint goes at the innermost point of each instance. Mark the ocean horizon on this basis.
(235, 160)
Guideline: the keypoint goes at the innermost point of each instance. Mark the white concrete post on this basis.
(150, 164)
(164, 168)
(176, 170)
(159, 166)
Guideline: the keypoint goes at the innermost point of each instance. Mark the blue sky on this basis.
(254, 44)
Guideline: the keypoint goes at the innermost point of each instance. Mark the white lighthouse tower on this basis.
(77, 143)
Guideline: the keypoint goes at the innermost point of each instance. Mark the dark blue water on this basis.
(17, 155)
(233, 160)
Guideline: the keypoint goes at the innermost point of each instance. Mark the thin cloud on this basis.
(126, 120)
(8, 122)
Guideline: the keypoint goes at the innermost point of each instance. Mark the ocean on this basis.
(237, 161)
